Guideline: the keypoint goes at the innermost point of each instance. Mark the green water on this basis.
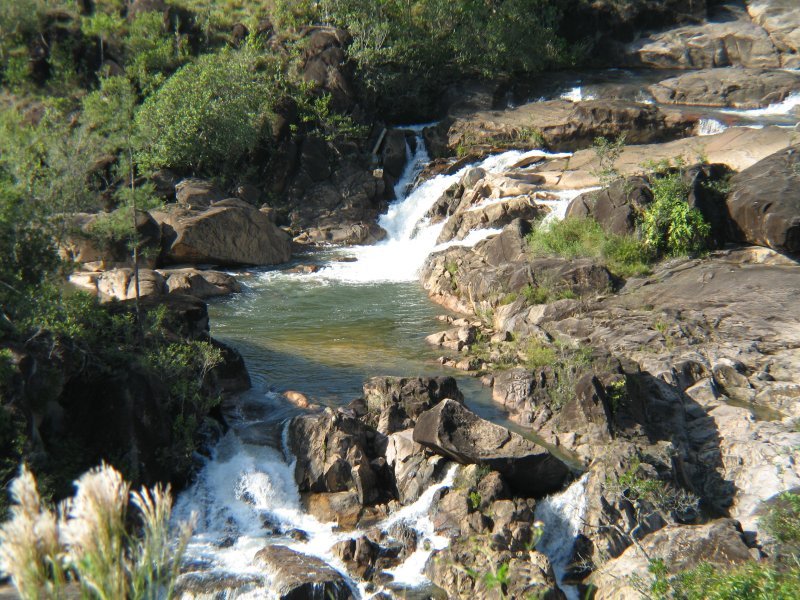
(324, 338)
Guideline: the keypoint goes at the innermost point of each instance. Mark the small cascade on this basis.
(710, 127)
(562, 515)
(787, 107)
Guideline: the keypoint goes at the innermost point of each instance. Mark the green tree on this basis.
(208, 115)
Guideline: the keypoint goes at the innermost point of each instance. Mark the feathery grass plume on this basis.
(154, 561)
(94, 528)
(31, 552)
(89, 542)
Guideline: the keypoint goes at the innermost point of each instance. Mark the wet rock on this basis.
(342, 508)
(334, 451)
(453, 431)
(226, 235)
(358, 555)
(493, 216)
(731, 87)
(397, 402)
(414, 468)
(295, 575)
(764, 203)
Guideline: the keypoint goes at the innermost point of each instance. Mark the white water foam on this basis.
(787, 107)
(562, 515)
(710, 127)
(411, 238)
(576, 95)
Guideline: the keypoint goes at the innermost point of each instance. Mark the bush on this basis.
(669, 225)
(208, 115)
(624, 256)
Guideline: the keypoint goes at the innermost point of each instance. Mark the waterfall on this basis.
(411, 237)
(562, 515)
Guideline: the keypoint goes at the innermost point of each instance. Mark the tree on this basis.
(208, 115)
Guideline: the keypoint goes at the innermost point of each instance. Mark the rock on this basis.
(529, 573)
(297, 399)
(719, 543)
(732, 40)
(407, 398)
(295, 575)
(414, 468)
(736, 147)
(227, 235)
(334, 452)
(342, 508)
(324, 65)
(119, 284)
(197, 193)
(764, 203)
(84, 243)
(730, 87)
(393, 152)
(616, 207)
(358, 555)
(781, 19)
(561, 125)
(203, 284)
(353, 234)
(453, 431)
(494, 216)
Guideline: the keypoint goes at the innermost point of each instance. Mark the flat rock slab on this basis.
(455, 432)
(731, 87)
(299, 576)
(737, 147)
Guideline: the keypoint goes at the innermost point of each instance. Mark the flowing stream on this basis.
(362, 314)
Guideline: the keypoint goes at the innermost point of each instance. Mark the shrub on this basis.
(208, 115)
(783, 521)
(669, 224)
(577, 237)
(152, 52)
(91, 541)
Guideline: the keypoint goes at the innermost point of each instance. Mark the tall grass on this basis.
(90, 543)
(574, 237)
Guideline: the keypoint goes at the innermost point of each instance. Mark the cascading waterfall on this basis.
(246, 496)
(562, 515)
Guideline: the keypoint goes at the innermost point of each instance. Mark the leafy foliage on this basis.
(576, 237)
(209, 114)
(669, 224)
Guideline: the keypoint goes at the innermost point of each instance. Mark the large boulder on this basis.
(764, 204)
(730, 40)
(297, 576)
(616, 207)
(455, 432)
(413, 466)
(198, 193)
(334, 452)
(719, 543)
(395, 403)
(558, 124)
(229, 233)
(781, 19)
(732, 87)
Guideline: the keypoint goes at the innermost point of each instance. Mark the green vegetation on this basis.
(777, 577)
(608, 152)
(624, 256)
(669, 225)
(91, 541)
